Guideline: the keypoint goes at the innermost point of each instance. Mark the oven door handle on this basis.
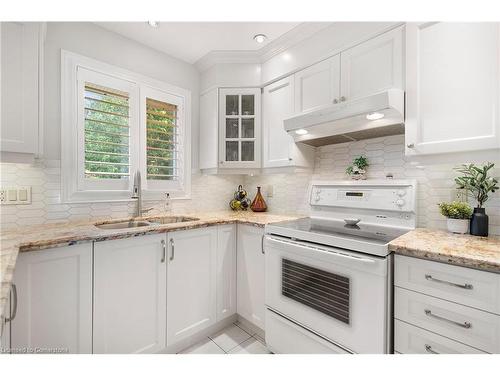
(333, 253)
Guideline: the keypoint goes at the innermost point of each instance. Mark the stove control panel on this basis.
(395, 195)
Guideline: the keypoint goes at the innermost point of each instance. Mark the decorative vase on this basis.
(460, 226)
(258, 204)
(479, 222)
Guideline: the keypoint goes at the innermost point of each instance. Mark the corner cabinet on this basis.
(21, 105)
(279, 148)
(239, 128)
(54, 300)
(452, 87)
(130, 295)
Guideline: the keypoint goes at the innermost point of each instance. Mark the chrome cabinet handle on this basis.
(463, 286)
(343, 99)
(335, 101)
(262, 244)
(14, 299)
(429, 349)
(410, 145)
(164, 247)
(429, 313)
(173, 249)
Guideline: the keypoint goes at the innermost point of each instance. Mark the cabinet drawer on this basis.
(479, 289)
(467, 325)
(409, 339)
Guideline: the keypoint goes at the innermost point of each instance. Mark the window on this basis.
(114, 123)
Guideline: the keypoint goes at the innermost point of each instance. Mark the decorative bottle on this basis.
(258, 204)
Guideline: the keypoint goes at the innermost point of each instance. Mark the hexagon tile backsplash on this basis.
(212, 193)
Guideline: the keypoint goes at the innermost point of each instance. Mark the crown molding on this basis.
(296, 35)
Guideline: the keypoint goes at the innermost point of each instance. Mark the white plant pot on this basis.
(460, 226)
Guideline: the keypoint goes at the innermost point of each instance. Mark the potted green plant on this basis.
(478, 185)
(357, 170)
(457, 214)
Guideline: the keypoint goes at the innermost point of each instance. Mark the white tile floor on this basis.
(234, 339)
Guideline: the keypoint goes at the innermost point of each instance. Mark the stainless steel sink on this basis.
(171, 219)
(123, 225)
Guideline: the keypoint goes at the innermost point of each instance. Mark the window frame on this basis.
(74, 186)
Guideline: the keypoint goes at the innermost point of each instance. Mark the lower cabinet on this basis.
(226, 271)
(251, 274)
(129, 295)
(191, 282)
(5, 319)
(54, 301)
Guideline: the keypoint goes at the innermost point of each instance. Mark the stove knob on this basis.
(401, 193)
(400, 202)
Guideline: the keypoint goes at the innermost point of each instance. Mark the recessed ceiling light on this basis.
(301, 131)
(375, 116)
(260, 38)
(153, 23)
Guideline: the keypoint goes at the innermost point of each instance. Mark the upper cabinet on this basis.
(373, 66)
(452, 87)
(21, 71)
(317, 85)
(279, 148)
(209, 129)
(239, 128)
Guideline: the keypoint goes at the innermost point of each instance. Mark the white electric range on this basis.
(329, 276)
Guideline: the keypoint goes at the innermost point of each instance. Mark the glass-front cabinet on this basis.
(239, 128)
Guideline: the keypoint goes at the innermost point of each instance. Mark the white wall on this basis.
(91, 40)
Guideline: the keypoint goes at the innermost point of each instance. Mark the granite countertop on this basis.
(58, 235)
(482, 253)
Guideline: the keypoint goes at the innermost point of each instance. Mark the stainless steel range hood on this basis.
(350, 121)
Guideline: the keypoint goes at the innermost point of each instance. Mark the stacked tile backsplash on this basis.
(385, 155)
(209, 193)
(212, 193)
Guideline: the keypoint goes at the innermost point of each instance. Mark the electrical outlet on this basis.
(2, 195)
(459, 195)
(270, 191)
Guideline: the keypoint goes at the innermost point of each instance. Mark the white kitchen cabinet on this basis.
(373, 66)
(209, 130)
(191, 282)
(226, 271)
(251, 274)
(21, 71)
(452, 87)
(317, 85)
(54, 300)
(130, 295)
(5, 320)
(279, 148)
(239, 128)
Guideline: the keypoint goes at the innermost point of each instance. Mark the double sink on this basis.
(145, 222)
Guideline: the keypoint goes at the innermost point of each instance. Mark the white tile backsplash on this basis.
(386, 155)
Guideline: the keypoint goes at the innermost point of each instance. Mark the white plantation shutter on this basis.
(107, 133)
(162, 140)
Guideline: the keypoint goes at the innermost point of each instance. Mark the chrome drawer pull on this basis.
(164, 248)
(463, 286)
(173, 249)
(429, 349)
(14, 309)
(463, 325)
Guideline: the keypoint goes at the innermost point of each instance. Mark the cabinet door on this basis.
(251, 274)
(452, 87)
(20, 45)
(54, 300)
(129, 295)
(209, 129)
(226, 271)
(239, 128)
(191, 282)
(373, 66)
(317, 85)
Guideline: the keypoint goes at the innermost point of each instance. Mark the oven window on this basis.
(320, 290)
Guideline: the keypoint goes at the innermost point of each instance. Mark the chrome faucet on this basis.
(137, 194)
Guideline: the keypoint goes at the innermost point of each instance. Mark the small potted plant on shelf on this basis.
(357, 170)
(478, 185)
(458, 215)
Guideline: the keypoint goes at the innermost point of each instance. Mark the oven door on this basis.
(340, 295)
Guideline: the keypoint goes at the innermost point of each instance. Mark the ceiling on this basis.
(189, 41)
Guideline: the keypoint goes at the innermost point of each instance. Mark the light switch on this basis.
(23, 195)
(12, 195)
